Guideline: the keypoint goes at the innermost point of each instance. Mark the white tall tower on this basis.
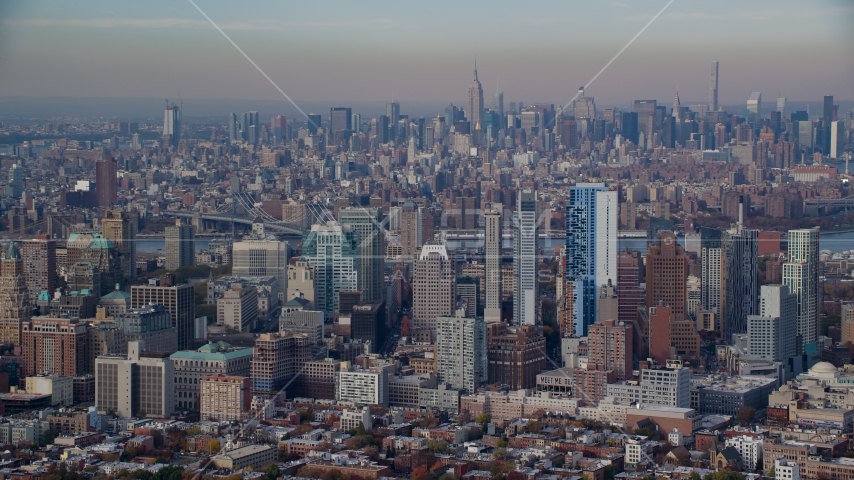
(525, 259)
(800, 274)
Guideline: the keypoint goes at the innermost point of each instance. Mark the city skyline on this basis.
(168, 54)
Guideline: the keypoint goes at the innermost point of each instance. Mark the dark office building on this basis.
(367, 324)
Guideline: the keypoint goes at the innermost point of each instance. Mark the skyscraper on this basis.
(591, 247)
(313, 122)
(630, 295)
(340, 119)
(16, 180)
(180, 246)
(525, 220)
(117, 227)
(826, 119)
(800, 274)
(754, 108)
(498, 103)
(39, 261)
(392, 111)
(474, 110)
(666, 274)
(410, 229)
(14, 300)
(710, 265)
(739, 279)
(332, 250)
(106, 182)
(492, 272)
(171, 125)
(279, 127)
(262, 258)
(713, 88)
(232, 127)
(366, 224)
(433, 287)
(461, 352)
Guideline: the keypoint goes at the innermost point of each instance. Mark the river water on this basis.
(833, 241)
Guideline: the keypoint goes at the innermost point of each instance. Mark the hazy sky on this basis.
(368, 51)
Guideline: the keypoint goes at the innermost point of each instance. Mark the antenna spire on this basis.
(475, 68)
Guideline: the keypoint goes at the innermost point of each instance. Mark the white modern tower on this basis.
(461, 352)
(525, 259)
(800, 274)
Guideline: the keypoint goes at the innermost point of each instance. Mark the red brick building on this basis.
(51, 345)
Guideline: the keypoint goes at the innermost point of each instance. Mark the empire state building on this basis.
(474, 112)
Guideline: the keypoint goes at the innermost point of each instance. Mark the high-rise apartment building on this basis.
(238, 308)
(666, 274)
(591, 248)
(106, 182)
(474, 110)
(515, 356)
(611, 343)
(630, 295)
(365, 387)
(433, 287)
(492, 270)
(411, 234)
(773, 332)
(225, 398)
(332, 250)
(180, 245)
(139, 384)
(277, 358)
(525, 256)
(53, 345)
(801, 275)
(461, 360)
(178, 300)
(713, 88)
(117, 226)
(710, 270)
(739, 279)
(366, 223)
